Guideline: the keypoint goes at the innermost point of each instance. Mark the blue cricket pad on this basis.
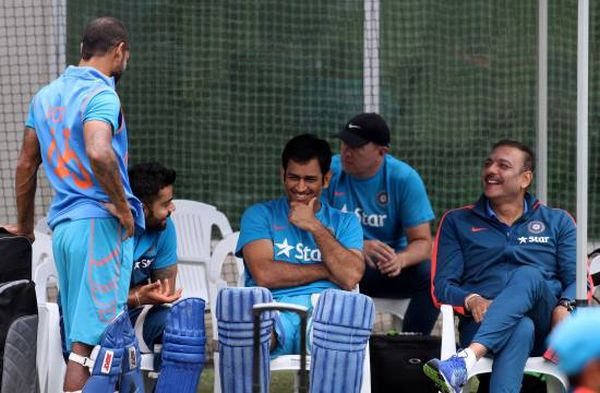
(131, 376)
(107, 365)
(342, 323)
(183, 347)
(235, 324)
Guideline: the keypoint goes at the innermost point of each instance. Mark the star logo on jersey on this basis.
(143, 263)
(522, 240)
(284, 248)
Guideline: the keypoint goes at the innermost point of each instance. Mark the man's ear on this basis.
(119, 51)
(383, 150)
(527, 179)
(327, 179)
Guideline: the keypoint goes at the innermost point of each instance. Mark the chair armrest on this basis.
(448, 333)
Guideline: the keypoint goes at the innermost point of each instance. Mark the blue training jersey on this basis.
(269, 220)
(57, 113)
(153, 250)
(386, 204)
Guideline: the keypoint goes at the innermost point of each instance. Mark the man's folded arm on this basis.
(347, 266)
(258, 257)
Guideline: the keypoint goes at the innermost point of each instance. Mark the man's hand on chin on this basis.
(302, 215)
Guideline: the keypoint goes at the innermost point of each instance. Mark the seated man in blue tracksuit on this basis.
(155, 253)
(507, 265)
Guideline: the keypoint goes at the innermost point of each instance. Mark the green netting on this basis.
(215, 88)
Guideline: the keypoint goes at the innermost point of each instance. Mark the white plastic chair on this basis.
(556, 381)
(50, 362)
(40, 249)
(194, 222)
(287, 362)
(396, 307)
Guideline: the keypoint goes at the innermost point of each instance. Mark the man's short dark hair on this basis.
(148, 179)
(305, 147)
(101, 34)
(528, 162)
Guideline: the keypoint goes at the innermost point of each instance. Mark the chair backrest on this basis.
(194, 222)
(594, 270)
(222, 250)
(40, 249)
(44, 273)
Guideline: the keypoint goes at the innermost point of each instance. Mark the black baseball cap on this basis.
(365, 128)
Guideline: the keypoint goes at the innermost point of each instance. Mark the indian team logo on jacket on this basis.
(536, 227)
(383, 198)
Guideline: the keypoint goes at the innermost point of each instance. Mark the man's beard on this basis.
(152, 224)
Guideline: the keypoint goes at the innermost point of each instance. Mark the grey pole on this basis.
(541, 177)
(582, 147)
(371, 56)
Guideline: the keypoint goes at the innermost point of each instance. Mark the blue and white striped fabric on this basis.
(342, 323)
(235, 324)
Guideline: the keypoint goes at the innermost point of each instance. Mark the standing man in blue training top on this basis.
(296, 245)
(390, 200)
(155, 252)
(507, 265)
(76, 129)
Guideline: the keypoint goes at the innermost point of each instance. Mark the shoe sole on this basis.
(438, 378)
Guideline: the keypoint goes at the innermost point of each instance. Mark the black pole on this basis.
(256, 355)
(303, 373)
(302, 311)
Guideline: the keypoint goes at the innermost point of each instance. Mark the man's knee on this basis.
(528, 273)
(523, 335)
(528, 277)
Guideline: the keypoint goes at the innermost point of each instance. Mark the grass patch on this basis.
(281, 381)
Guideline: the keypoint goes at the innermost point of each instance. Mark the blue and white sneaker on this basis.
(449, 375)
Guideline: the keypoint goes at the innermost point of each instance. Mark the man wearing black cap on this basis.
(390, 200)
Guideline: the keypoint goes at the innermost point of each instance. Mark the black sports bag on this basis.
(397, 363)
(18, 316)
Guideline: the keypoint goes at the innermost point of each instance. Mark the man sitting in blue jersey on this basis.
(155, 252)
(296, 245)
(507, 265)
(389, 198)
